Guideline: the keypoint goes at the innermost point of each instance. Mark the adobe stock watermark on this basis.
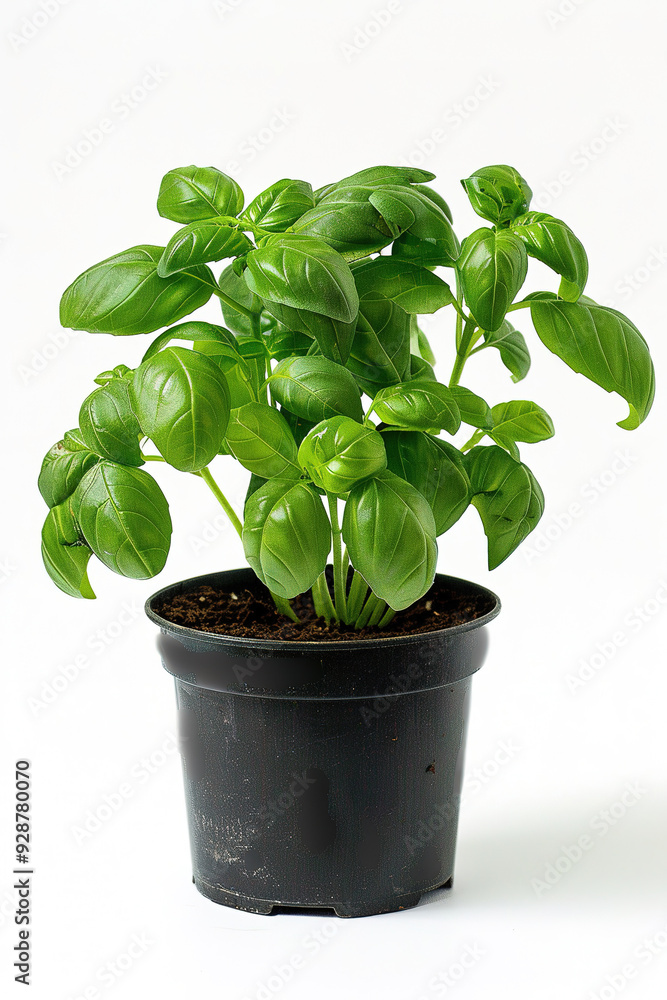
(215, 528)
(96, 644)
(224, 7)
(552, 529)
(447, 979)
(365, 33)
(33, 24)
(257, 142)
(121, 108)
(451, 119)
(7, 569)
(650, 948)
(139, 774)
(41, 357)
(579, 161)
(563, 11)
(600, 825)
(634, 621)
(634, 281)
(284, 972)
(112, 971)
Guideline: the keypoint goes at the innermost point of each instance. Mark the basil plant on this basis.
(320, 381)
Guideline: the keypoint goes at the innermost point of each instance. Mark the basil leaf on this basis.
(419, 405)
(236, 291)
(603, 345)
(109, 425)
(259, 437)
(492, 267)
(425, 233)
(308, 287)
(124, 517)
(315, 388)
(389, 531)
(385, 175)
(520, 420)
(339, 452)
(380, 353)
(498, 193)
(191, 193)
(508, 499)
(298, 426)
(433, 467)
(63, 468)
(286, 536)
(414, 288)
(436, 198)
(474, 410)
(281, 205)
(182, 402)
(125, 295)
(283, 343)
(347, 222)
(552, 242)
(512, 347)
(419, 343)
(201, 242)
(421, 369)
(65, 556)
(191, 331)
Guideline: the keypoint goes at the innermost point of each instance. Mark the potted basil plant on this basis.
(322, 708)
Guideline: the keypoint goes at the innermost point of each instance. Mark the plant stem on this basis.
(339, 580)
(459, 317)
(367, 610)
(221, 498)
(322, 600)
(378, 613)
(152, 458)
(284, 606)
(462, 351)
(471, 442)
(356, 597)
(387, 617)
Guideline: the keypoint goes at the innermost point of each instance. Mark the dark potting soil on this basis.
(250, 613)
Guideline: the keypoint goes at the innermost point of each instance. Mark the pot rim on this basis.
(310, 646)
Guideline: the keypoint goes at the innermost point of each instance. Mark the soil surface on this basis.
(250, 613)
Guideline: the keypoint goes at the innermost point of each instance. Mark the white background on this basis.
(575, 100)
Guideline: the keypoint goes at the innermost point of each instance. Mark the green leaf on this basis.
(315, 388)
(237, 293)
(193, 330)
(65, 556)
(109, 425)
(427, 236)
(260, 438)
(520, 420)
(281, 205)
(512, 347)
(552, 242)
(507, 496)
(474, 410)
(283, 343)
(389, 531)
(201, 242)
(308, 287)
(125, 295)
(182, 402)
(63, 467)
(436, 198)
(419, 343)
(492, 267)
(347, 222)
(188, 194)
(380, 353)
(286, 536)
(604, 346)
(73, 440)
(421, 369)
(120, 371)
(498, 193)
(414, 288)
(124, 517)
(339, 452)
(433, 467)
(379, 176)
(419, 405)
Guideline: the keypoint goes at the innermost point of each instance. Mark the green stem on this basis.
(367, 610)
(387, 617)
(459, 312)
(221, 498)
(462, 351)
(356, 597)
(322, 600)
(221, 295)
(152, 458)
(339, 579)
(284, 606)
(523, 304)
(475, 439)
(378, 613)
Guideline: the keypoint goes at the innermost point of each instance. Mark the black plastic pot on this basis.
(321, 775)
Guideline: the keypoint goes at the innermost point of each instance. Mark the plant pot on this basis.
(321, 775)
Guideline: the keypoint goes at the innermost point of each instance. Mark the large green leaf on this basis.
(286, 536)
(194, 331)
(520, 420)
(424, 231)
(201, 242)
(380, 353)
(65, 555)
(281, 205)
(237, 293)
(419, 405)
(507, 496)
(413, 287)
(124, 294)
(63, 467)
(603, 345)
(381, 175)
(339, 452)
(191, 193)
(389, 531)
(512, 347)
(182, 402)
(124, 518)
(260, 438)
(308, 287)
(551, 241)
(283, 343)
(433, 467)
(473, 409)
(315, 388)
(492, 267)
(348, 223)
(109, 425)
(498, 193)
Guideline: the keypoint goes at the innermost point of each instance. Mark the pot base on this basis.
(267, 907)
